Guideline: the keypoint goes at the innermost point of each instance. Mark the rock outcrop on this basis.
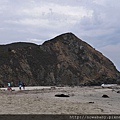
(63, 60)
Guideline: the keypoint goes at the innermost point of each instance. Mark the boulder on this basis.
(105, 96)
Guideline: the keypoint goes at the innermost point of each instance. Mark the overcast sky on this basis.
(94, 21)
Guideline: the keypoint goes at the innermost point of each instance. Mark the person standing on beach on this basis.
(23, 86)
(20, 84)
(9, 87)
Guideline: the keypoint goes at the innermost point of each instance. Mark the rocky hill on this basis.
(63, 60)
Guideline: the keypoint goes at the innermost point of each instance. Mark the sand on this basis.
(42, 100)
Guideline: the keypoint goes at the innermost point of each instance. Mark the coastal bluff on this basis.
(63, 60)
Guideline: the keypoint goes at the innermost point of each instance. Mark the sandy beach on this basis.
(42, 100)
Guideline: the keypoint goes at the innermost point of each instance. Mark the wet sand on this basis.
(42, 100)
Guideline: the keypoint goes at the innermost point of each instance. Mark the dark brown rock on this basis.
(105, 96)
(61, 95)
(118, 91)
(91, 102)
(63, 60)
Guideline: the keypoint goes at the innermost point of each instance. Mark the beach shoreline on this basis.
(42, 100)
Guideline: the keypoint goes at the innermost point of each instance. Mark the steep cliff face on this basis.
(63, 60)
